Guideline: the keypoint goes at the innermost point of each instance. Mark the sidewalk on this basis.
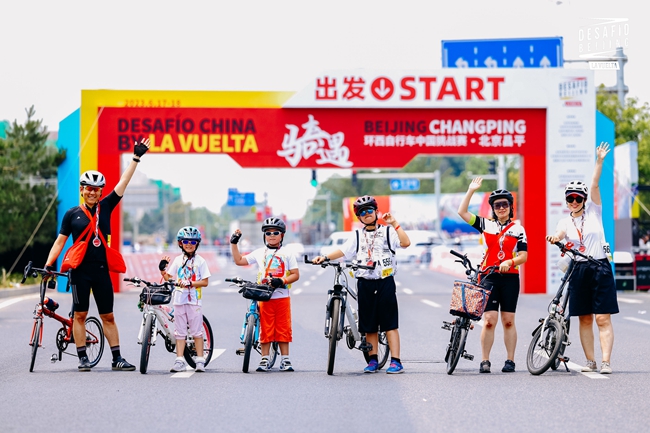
(19, 291)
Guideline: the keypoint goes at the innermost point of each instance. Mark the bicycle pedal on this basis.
(54, 358)
(564, 359)
(365, 347)
(447, 326)
(468, 356)
(240, 352)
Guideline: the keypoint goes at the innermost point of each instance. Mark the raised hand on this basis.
(602, 150)
(476, 184)
(141, 148)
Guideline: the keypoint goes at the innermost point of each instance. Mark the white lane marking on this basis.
(215, 283)
(407, 291)
(296, 291)
(320, 272)
(431, 303)
(634, 319)
(16, 300)
(306, 283)
(313, 277)
(630, 301)
(228, 290)
(397, 283)
(590, 374)
(190, 371)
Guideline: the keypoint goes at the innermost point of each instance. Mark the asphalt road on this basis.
(58, 398)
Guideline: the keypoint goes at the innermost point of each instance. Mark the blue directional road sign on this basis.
(236, 198)
(503, 53)
(405, 185)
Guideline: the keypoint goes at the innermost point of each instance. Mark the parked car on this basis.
(420, 249)
(335, 242)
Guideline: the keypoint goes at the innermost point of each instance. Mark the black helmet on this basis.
(363, 203)
(500, 193)
(274, 223)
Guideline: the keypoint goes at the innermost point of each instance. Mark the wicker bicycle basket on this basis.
(468, 300)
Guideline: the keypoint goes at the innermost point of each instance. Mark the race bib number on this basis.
(386, 272)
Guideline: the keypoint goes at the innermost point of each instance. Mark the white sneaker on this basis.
(179, 365)
(285, 365)
(264, 364)
(589, 367)
(200, 365)
(605, 368)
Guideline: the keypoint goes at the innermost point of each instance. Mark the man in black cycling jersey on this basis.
(93, 272)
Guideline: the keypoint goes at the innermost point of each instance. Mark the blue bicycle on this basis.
(250, 331)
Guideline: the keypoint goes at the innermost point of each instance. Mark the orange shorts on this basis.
(275, 321)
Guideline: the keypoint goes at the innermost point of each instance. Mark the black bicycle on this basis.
(337, 308)
(551, 337)
(468, 303)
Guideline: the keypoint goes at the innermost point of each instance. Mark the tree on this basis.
(27, 187)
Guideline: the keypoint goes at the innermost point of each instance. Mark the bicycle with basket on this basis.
(551, 337)
(64, 336)
(158, 318)
(468, 302)
(250, 332)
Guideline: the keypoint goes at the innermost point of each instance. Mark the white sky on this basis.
(53, 50)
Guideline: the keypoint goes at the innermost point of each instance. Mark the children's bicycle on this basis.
(64, 337)
(551, 337)
(157, 318)
(250, 331)
(468, 302)
(337, 308)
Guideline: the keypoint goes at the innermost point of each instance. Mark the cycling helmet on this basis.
(92, 178)
(274, 223)
(501, 193)
(189, 233)
(576, 187)
(364, 202)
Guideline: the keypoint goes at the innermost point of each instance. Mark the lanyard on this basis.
(370, 246)
(96, 241)
(267, 266)
(580, 231)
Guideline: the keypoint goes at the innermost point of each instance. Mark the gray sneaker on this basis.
(285, 365)
(590, 367)
(200, 365)
(179, 365)
(605, 368)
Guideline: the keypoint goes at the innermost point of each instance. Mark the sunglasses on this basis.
(92, 188)
(271, 233)
(501, 205)
(365, 212)
(185, 242)
(578, 199)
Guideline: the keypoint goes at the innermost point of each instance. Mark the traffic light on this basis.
(314, 181)
(354, 178)
(492, 166)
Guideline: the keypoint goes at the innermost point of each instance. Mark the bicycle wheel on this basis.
(565, 343)
(456, 344)
(545, 347)
(36, 338)
(335, 311)
(273, 353)
(382, 351)
(248, 342)
(94, 340)
(147, 335)
(208, 346)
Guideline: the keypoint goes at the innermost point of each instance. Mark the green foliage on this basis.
(27, 184)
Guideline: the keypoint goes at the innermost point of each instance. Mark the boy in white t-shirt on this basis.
(191, 273)
(279, 269)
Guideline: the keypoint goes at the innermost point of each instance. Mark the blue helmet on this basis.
(189, 233)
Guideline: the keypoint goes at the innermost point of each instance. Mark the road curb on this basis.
(19, 291)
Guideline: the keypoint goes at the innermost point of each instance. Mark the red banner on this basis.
(324, 138)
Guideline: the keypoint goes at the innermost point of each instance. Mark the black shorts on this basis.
(505, 292)
(95, 276)
(592, 289)
(377, 305)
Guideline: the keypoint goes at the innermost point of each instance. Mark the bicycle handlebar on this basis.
(568, 249)
(352, 264)
(30, 270)
(137, 281)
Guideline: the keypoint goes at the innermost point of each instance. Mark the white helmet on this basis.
(576, 187)
(92, 178)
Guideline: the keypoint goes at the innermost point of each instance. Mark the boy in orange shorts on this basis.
(279, 269)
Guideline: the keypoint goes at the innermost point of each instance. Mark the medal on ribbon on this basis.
(96, 242)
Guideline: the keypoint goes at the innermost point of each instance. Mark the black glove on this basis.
(50, 268)
(140, 149)
(163, 264)
(234, 238)
(277, 282)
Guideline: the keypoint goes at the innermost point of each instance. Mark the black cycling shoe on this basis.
(509, 366)
(84, 364)
(122, 365)
(485, 367)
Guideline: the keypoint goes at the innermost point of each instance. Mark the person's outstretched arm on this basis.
(601, 153)
(463, 211)
(139, 149)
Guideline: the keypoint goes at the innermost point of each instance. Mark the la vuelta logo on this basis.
(314, 141)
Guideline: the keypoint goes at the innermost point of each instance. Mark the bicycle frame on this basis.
(163, 320)
(253, 310)
(340, 291)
